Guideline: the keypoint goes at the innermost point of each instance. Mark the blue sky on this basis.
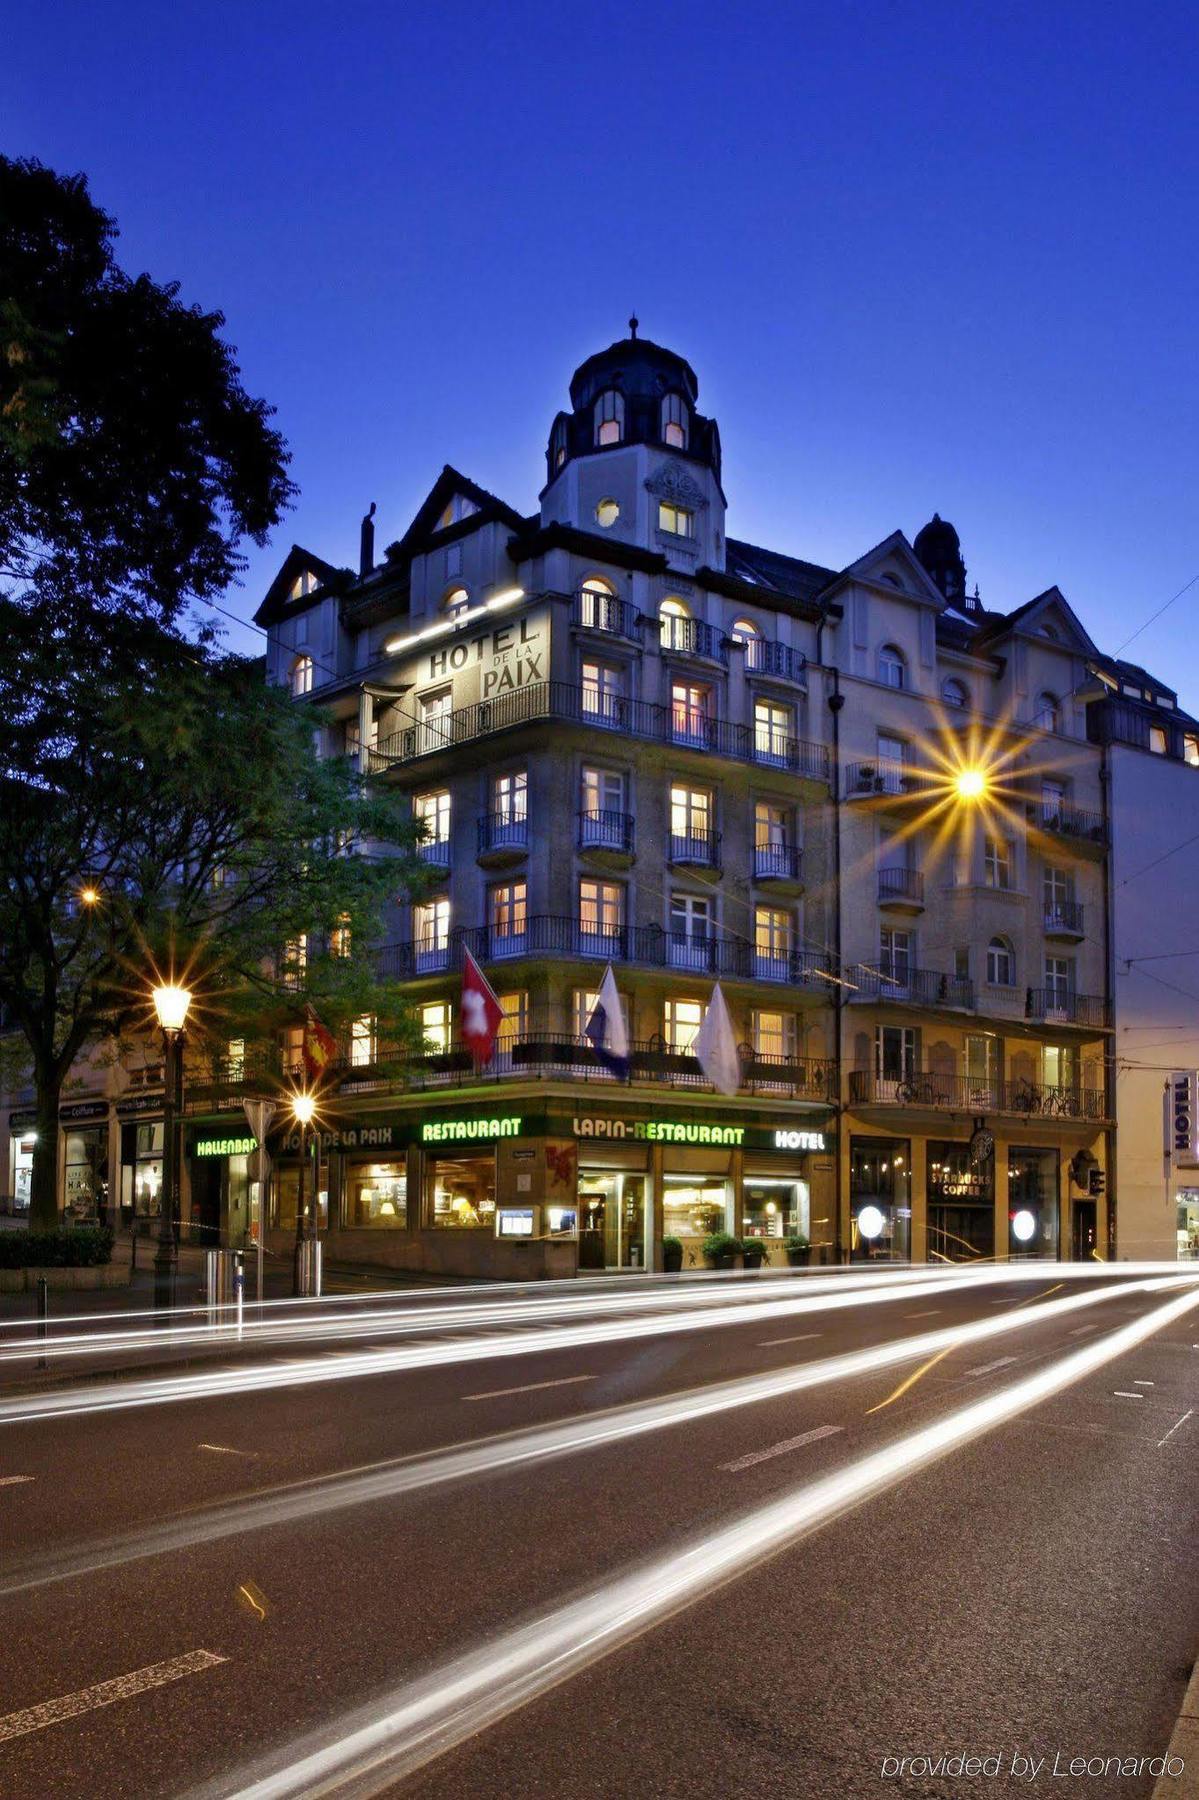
(922, 256)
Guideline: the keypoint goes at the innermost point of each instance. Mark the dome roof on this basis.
(644, 368)
(937, 539)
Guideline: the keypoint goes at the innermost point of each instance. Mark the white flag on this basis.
(716, 1046)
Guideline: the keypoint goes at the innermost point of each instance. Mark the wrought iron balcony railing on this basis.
(692, 637)
(603, 612)
(975, 1096)
(435, 852)
(912, 987)
(778, 862)
(502, 831)
(1063, 918)
(764, 658)
(1055, 1006)
(603, 829)
(901, 884)
(1068, 822)
(701, 848)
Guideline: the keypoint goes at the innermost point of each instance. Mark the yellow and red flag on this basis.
(320, 1046)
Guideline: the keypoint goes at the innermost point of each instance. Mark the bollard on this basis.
(43, 1307)
(239, 1286)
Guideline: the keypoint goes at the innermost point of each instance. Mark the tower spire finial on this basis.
(633, 324)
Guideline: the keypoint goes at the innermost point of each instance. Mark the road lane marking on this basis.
(795, 1443)
(1186, 1415)
(930, 1314)
(104, 1693)
(1080, 1330)
(1123, 1394)
(530, 1387)
(15, 1480)
(804, 1337)
(227, 1450)
(986, 1368)
(1138, 1383)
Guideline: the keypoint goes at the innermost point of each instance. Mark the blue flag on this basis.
(605, 1029)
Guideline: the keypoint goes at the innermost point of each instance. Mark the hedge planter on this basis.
(672, 1255)
(721, 1251)
(24, 1281)
(799, 1252)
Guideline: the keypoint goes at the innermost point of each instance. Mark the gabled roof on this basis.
(1025, 619)
(777, 573)
(298, 561)
(864, 568)
(423, 528)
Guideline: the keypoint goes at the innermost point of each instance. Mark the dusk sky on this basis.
(922, 257)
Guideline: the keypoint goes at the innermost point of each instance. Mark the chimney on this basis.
(366, 544)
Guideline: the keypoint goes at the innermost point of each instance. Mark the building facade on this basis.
(878, 813)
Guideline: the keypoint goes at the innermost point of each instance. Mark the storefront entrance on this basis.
(611, 1220)
(961, 1204)
(1084, 1231)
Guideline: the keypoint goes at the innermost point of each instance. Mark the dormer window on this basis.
(678, 520)
(458, 508)
(609, 417)
(675, 421)
(301, 677)
(303, 585)
(456, 602)
(558, 446)
(892, 669)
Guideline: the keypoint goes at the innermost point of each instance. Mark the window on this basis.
(892, 755)
(558, 444)
(431, 934)
(982, 1058)
(340, 936)
(435, 718)
(675, 421)
(679, 521)
(456, 602)
(681, 1022)
(510, 798)
(295, 960)
(596, 609)
(773, 1034)
(1049, 712)
(603, 690)
(892, 669)
(954, 692)
(895, 957)
(601, 911)
(460, 1192)
(894, 1052)
(1157, 740)
(436, 1022)
(506, 916)
(961, 963)
(689, 711)
(674, 625)
(770, 825)
(303, 585)
(997, 863)
(774, 728)
(515, 1024)
(690, 821)
(772, 943)
(362, 1041)
(607, 513)
(584, 1002)
(301, 677)
(457, 508)
(433, 812)
(609, 417)
(235, 1059)
(1059, 982)
(376, 1196)
(1001, 965)
(745, 632)
(1190, 749)
(691, 921)
(1059, 1066)
(602, 791)
(1053, 802)
(1058, 891)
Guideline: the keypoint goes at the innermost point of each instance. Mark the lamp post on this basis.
(303, 1107)
(170, 1003)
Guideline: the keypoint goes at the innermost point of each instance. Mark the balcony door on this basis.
(435, 713)
(691, 931)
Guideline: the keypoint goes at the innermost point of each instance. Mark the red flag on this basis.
(320, 1046)
(482, 1014)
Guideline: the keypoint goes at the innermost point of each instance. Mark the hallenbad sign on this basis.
(224, 1146)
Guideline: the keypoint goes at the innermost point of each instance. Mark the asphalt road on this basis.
(698, 1538)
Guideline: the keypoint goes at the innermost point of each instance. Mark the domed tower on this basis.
(939, 549)
(634, 457)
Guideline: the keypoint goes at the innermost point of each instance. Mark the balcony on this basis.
(691, 637)
(569, 703)
(1063, 919)
(502, 839)
(695, 849)
(913, 987)
(778, 661)
(430, 956)
(925, 1090)
(779, 863)
(607, 836)
(901, 890)
(1070, 823)
(605, 614)
(884, 780)
(434, 853)
(1051, 1006)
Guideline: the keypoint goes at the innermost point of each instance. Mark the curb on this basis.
(1184, 1744)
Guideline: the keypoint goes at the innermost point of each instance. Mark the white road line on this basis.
(15, 1480)
(1123, 1394)
(226, 1450)
(930, 1314)
(529, 1387)
(985, 1368)
(1186, 1415)
(795, 1443)
(805, 1337)
(1137, 1383)
(1080, 1330)
(104, 1693)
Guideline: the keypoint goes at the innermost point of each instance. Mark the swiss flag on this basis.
(482, 1014)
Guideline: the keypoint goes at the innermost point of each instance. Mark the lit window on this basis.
(895, 958)
(303, 585)
(508, 916)
(436, 1023)
(601, 909)
(584, 1003)
(745, 632)
(679, 521)
(1000, 963)
(431, 933)
(689, 711)
(1157, 740)
(459, 508)
(772, 942)
(774, 728)
(953, 693)
(456, 602)
(674, 625)
(602, 690)
(362, 1041)
(681, 1022)
(235, 1058)
(892, 669)
(1190, 749)
(301, 677)
(675, 421)
(609, 417)
(293, 1050)
(595, 604)
(1049, 712)
(339, 937)
(607, 513)
(997, 863)
(433, 812)
(510, 797)
(773, 1034)
(515, 1023)
(558, 445)
(691, 824)
(295, 960)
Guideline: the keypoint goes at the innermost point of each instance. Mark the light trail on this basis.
(480, 1458)
(399, 1732)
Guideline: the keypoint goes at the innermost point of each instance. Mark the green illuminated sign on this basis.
(225, 1146)
(660, 1131)
(457, 1131)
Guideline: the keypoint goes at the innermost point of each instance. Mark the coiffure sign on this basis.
(1182, 1118)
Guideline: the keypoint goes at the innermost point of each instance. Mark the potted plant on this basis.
(798, 1251)
(672, 1255)
(754, 1252)
(721, 1250)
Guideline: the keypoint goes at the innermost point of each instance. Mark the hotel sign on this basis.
(1181, 1122)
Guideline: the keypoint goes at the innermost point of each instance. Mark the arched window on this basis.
(953, 692)
(892, 669)
(1049, 712)
(301, 677)
(745, 632)
(558, 445)
(596, 598)
(609, 417)
(456, 602)
(675, 421)
(1001, 964)
(674, 624)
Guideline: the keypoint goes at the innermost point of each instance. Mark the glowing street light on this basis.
(971, 784)
(303, 1107)
(171, 1003)
(89, 896)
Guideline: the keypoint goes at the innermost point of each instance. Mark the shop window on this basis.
(681, 1022)
(775, 1207)
(1032, 1202)
(141, 1171)
(21, 1171)
(86, 1159)
(694, 1206)
(880, 1199)
(460, 1192)
(376, 1196)
(961, 1204)
(611, 1219)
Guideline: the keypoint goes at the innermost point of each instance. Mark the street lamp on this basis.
(303, 1108)
(170, 1003)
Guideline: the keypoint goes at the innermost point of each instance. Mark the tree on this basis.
(191, 830)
